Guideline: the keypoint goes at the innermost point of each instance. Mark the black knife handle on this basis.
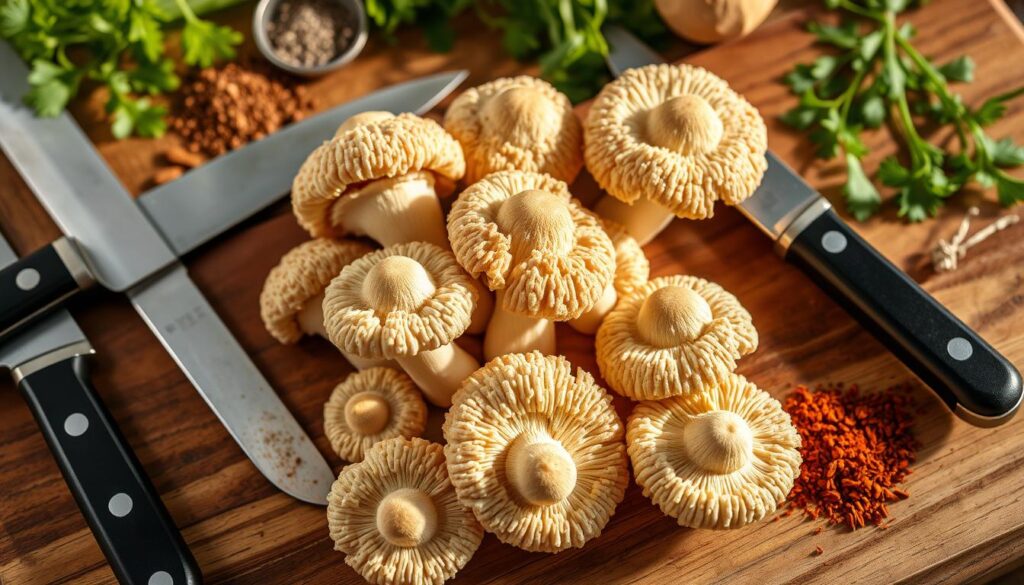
(973, 379)
(38, 282)
(129, 521)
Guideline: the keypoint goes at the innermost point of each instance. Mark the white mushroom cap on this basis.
(524, 233)
(371, 406)
(396, 516)
(398, 302)
(676, 135)
(301, 276)
(722, 458)
(516, 123)
(536, 452)
(675, 335)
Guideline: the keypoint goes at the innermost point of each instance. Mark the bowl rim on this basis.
(261, 18)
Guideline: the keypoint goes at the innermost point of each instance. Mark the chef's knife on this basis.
(122, 508)
(974, 380)
(125, 252)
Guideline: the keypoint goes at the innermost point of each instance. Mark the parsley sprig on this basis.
(115, 43)
(877, 76)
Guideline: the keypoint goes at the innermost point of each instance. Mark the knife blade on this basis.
(974, 380)
(184, 213)
(102, 472)
(126, 253)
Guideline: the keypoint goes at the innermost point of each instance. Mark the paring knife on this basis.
(122, 508)
(974, 380)
(116, 245)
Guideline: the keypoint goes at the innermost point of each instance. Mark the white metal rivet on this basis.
(160, 578)
(120, 505)
(27, 279)
(76, 424)
(959, 349)
(833, 242)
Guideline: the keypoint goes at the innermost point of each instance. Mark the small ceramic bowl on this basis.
(265, 12)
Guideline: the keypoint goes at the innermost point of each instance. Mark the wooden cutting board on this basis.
(963, 521)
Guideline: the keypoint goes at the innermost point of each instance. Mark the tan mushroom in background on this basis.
(631, 272)
(292, 296)
(516, 123)
(372, 406)
(380, 177)
(669, 141)
(547, 257)
(721, 458)
(396, 516)
(407, 302)
(676, 335)
(536, 452)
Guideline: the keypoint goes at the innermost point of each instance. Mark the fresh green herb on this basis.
(563, 35)
(875, 75)
(115, 43)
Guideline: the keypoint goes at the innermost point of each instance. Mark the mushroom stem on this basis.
(311, 322)
(510, 332)
(589, 322)
(539, 468)
(644, 219)
(407, 517)
(439, 372)
(394, 211)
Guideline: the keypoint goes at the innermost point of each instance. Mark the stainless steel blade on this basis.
(71, 180)
(214, 197)
(205, 350)
(50, 333)
(782, 196)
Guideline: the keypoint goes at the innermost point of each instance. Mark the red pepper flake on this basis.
(856, 449)
(819, 530)
(818, 551)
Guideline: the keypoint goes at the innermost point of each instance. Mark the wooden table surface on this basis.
(963, 522)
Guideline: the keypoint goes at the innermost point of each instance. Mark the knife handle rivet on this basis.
(76, 424)
(120, 505)
(160, 578)
(959, 349)
(27, 279)
(834, 242)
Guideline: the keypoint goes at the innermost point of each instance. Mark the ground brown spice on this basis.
(857, 448)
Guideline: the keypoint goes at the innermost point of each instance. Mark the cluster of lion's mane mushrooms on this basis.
(533, 452)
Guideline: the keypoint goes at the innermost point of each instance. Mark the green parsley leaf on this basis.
(205, 42)
(1006, 153)
(14, 17)
(959, 69)
(52, 86)
(801, 117)
(800, 79)
(1009, 189)
(862, 199)
(843, 36)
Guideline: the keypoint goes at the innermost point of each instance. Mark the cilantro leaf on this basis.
(800, 79)
(14, 17)
(959, 69)
(862, 199)
(843, 36)
(1009, 189)
(1006, 153)
(138, 116)
(154, 78)
(205, 42)
(800, 117)
(51, 87)
(144, 31)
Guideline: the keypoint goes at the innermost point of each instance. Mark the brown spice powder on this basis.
(857, 448)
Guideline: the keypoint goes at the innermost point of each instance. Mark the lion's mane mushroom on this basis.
(516, 123)
(721, 458)
(396, 516)
(292, 296)
(371, 406)
(547, 257)
(407, 302)
(536, 452)
(670, 140)
(380, 177)
(631, 272)
(673, 336)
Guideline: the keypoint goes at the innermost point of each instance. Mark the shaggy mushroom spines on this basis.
(407, 517)
(539, 469)
(672, 314)
(362, 119)
(719, 441)
(686, 124)
(537, 220)
(397, 283)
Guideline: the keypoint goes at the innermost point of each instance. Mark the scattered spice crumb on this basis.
(821, 529)
(818, 551)
(856, 449)
(177, 155)
(223, 108)
(167, 174)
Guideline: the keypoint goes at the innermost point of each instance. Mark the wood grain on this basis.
(963, 522)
